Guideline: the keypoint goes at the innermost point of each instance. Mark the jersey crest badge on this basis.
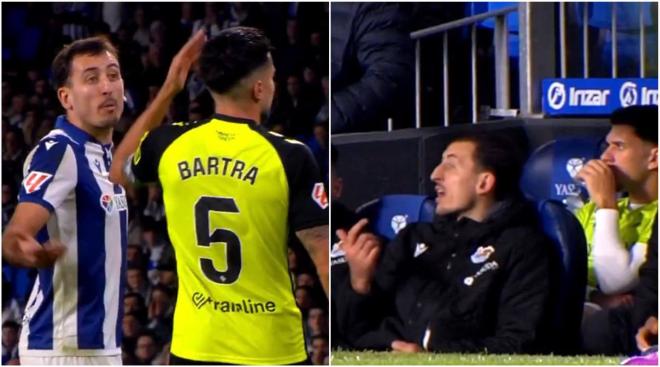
(35, 181)
(319, 196)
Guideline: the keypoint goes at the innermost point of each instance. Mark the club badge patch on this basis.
(319, 196)
(482, 254)
(35, 180)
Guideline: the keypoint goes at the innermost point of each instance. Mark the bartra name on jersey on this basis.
(216, 165)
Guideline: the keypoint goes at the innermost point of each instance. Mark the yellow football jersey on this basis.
(233, 192)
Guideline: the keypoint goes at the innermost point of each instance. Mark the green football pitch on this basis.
(391, 358)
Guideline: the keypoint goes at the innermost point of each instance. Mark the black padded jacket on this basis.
(454, 286)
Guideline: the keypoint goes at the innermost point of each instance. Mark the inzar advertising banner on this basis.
(596, 96)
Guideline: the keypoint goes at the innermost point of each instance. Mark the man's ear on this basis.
(653, 159)
(258, 90)
(485, 183)
(64, 97)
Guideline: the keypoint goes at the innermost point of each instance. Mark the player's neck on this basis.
(647, 192)
(480, 210)
(102, 134)
(250, 111)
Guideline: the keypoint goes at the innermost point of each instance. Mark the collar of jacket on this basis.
(504, 214)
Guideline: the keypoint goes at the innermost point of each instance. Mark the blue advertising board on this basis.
(596, 96)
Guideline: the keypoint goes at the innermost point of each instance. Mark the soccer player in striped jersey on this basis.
(71, 221)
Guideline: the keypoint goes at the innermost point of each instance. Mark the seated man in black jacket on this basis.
(475, 280)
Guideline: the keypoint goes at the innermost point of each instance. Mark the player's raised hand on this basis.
(183, 61)
(599, 181)
(362, 250)
(155, 112)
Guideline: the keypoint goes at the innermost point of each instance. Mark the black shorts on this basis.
(174, 360)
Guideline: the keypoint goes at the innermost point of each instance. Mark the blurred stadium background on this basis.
(147, 36)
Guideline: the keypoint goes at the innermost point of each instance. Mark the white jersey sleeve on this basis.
(50, 172)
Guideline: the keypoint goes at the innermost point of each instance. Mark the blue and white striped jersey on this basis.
(76, 307)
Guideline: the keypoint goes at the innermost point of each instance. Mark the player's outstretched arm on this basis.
(19, 246)
(155, 112)
(315, 240)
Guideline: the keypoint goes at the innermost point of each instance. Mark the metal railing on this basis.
(585, 40)
(530, 76)
(500, 38)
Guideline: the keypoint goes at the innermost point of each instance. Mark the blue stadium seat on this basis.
(569, 278)
(548, 181)
(549, 171)
(391, 213)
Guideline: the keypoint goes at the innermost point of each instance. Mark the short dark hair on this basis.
(231, 56)
(135, 314)
(162, 288)
(149, 334)
(135, 295)
(643, 119)
(500, 155)
(61, 66)
(11, 324)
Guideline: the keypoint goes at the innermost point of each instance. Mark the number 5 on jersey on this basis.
(204, 206)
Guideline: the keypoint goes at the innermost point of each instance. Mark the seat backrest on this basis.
(391, 213)
(550, 170)
(569, 275)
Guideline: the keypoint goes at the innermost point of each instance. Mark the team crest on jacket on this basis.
(482, 254)
(319, 196)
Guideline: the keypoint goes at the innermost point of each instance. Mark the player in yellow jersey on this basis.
(233, 192)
